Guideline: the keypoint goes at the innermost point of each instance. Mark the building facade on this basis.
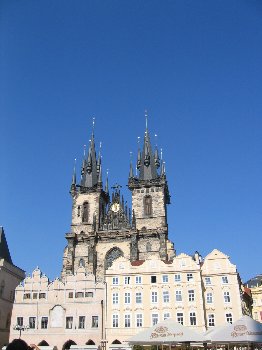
(255, 285)
(120, 270)
(10, 277)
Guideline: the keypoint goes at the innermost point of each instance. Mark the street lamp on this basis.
(20, 328)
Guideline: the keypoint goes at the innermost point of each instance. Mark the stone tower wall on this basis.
(158, 217)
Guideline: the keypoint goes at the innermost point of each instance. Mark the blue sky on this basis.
(194, 65)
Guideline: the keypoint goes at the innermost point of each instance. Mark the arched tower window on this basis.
(85, 212)
(148, 205)
(148, 247)
(81, 263)
(2, 287)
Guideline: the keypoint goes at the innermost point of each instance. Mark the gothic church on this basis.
(104, 228)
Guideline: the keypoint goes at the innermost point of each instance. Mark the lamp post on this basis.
(19, 328)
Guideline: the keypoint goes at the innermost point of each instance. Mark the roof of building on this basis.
(4, 251)
(254, 282)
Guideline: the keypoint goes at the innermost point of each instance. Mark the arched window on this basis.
(85, 212)
(68, 344)
(148, 247)
(112, 255)
(148, 205)
(43, 343)
(81, 263)
(90, 342)
(2, 287)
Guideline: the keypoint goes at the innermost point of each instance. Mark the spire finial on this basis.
(93, 122)
(84, 150)
(161, 154)
(146, 116)
(156, 140)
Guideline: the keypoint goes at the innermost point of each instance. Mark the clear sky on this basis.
(196, 66)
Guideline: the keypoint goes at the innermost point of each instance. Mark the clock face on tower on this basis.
(115, 207)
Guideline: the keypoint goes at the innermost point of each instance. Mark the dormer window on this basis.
(85, 212)
(148, 205)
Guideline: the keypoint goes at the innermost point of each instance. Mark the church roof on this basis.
(4, 251)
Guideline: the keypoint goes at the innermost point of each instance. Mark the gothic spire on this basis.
(89, 170)
(106, 186)
(131, 172)
(73, 183)
(148, 166)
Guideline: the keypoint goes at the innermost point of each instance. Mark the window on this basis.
(154, 319)
(180, 317)
(166, 296)
(191, 295)
(70, 295)
(115, 298)
(44, 322)
(42, 295)
(115, 280)
(81, 263)
(189, 277)
(153, 279)
(165, 278)
(81, 322)
(85, 212)
(127, 280)
(2, 287)
(138, 280)
(148, 247)
(211, 320)
(139, 320)
(138, 297)
(177, 278)
(32, 322)
(229, 318)
(28, 296)
(154, 297)
(209, 298)
(79, 294)
(207, 280)
(224, 280)
(127, 321)
(20, 321)
(69, 322)
(148, 205)
(115, 321)
(178, 295)
(34, 295)
(78, 211)
(192, 318)
(94, 321)
(166, 315)
(89, 294)
(226, 297)
(127, 298)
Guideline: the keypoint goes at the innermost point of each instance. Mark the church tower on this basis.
(150, 196)
(88, 211)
